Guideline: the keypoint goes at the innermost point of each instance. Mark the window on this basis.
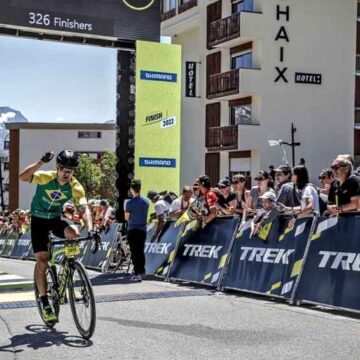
(240, 115)
(89, 134)
(357, 116)
(242, 61)
(169, 5)
(242, 5)
(6, 187)
(6, 166)
(358, 64)
(358, 9)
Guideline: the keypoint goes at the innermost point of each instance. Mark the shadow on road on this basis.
(113, 279)
(40, 336)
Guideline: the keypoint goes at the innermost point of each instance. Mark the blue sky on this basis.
(57, 82)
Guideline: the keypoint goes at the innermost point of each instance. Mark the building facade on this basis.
(29, 141)
(261, 65)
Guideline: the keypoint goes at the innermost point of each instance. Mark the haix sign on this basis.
(283, 38)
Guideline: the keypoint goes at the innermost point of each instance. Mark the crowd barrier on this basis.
(317, 261)
(13, 245)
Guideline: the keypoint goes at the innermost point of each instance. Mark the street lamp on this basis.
(293, 144)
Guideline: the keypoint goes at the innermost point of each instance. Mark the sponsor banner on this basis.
(157, 162)
(158, 116)
(10, 243)
(22, 247)
(202, 253)
(3, 237)
(331, 274)
(190, 79)
(269, 266)
(159, 255)
(100, 260)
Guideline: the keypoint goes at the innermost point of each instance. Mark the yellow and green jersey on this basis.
(50, 196)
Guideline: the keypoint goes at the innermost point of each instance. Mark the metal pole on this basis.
(293, 130)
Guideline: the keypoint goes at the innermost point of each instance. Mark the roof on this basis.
(61, 126)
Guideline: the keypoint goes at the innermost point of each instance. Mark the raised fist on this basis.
(47, 157)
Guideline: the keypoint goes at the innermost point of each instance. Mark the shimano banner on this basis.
(159, 254)
(331, 273)
(100, 260)
(268, 267)
(22, 247)
(202, 253)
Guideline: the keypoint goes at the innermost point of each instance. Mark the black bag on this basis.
(168, 196)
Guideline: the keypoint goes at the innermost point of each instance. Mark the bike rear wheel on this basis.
(82, 300)
(51, 292)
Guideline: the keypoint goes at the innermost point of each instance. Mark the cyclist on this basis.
(54, 189)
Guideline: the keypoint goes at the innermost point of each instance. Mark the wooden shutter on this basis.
(213, 14)
(213, 66)
(212, 119)
(212, 167)
(357, 142)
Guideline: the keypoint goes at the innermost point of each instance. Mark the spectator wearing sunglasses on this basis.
(239, 186)
(344, 191)
(287, 192)
(227, 199)
(264, 184)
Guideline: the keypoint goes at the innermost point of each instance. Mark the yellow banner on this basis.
(158, 116)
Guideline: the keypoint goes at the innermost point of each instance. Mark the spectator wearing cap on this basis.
(210, 200)
(264, 184)
(309, 195)
(287, 193)
(182, 203)
(344, 191)
(326, 177)
(239, 186)
(227, 199)
(269, 214)
(162, 208)
(136, 211)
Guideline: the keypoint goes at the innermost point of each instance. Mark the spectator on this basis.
(239, 183)
(162, 208)
(309, 195)
(136, 215)
(210, 200)
(272, 172)
(197, 207)
(269, 214)
(287, 194)
(227, 199)
(93, 206)
(326, 178)
(344, 191)
(182, 203)
(264, 184)
(106, 214)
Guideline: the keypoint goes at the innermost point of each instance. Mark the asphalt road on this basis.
(158, 320)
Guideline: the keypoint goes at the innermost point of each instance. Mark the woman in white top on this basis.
(309, 195)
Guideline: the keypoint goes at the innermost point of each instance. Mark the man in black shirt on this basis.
(344, 191)
(227, 199)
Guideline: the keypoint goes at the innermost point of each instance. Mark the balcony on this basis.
(168, 14)
(223, 138)
(224, 29)
(187, 5)
(223, 84)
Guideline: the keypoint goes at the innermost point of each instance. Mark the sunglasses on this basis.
(337, 167)
(222, 187)
(259, 179)
(65, 170)
(279, 174)
(239, 181)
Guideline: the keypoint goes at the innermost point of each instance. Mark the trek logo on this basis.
(23, 242)
(266, 255)
(340, 260)
(153, 248)
(158, 76)
(203, 251)
(146, 4)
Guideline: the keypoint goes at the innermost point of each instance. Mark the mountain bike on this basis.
(73, 276)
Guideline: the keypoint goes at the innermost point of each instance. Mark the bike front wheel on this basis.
(82, 300)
